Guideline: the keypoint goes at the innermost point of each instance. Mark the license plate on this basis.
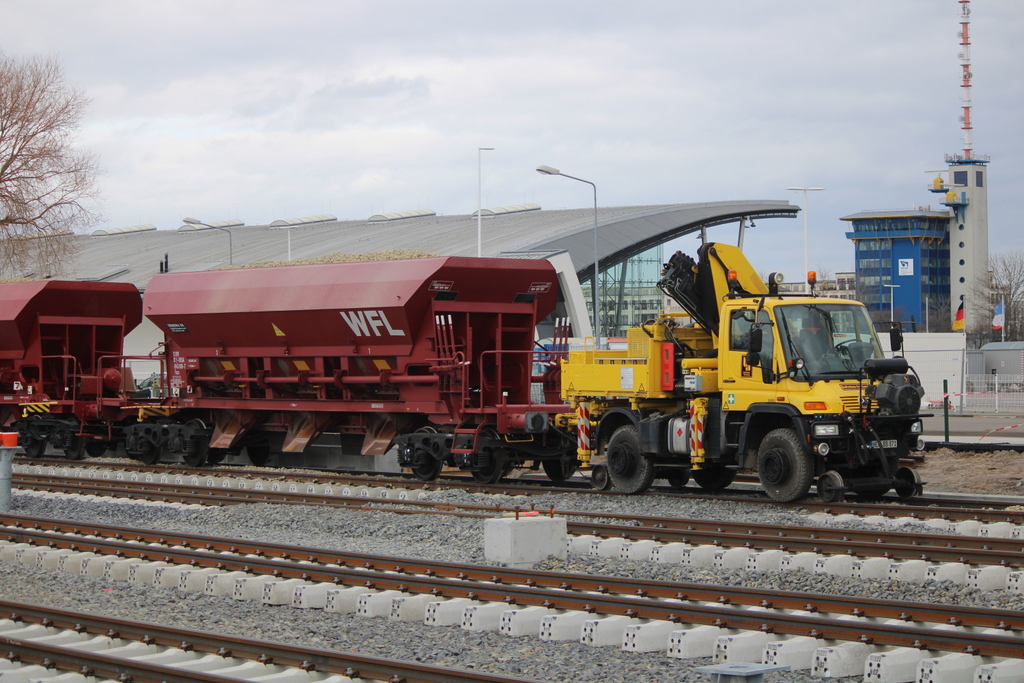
(886, 443)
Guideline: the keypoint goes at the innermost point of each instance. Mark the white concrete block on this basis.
(765, 560)
(194, 580)
(987, 578)
(909, 570)
(649, 636)
(607, 547)
(580, 545)
(222, 583)
(28, 556)
(969, 527)
(637, 550)
(893, 666)
(957, 667)
(1006, 671)
(251, 587)
(484, 616)
(845, 518)
(668, 552)
(563, 625)
(524, 621)
(839, 661)
(1015, 582)
(948, 571)
(699, 556)
(870, 568)
(118, 568)
(280, 592)
(50, 559)
(376, 604)
(411, 607)
(699, 641)
(311, 596)
(834, 565)
(525, 541)
(938, 523)
(996, 530)
(879, 520)
(344, 600)
(731, 558)
(747, 646)
(94, 566)
(799, 562)
(446, 612)
(144, 573)
(169, 576)
(604, 631)
(1018, 532)
(72, 564)
(795, 652)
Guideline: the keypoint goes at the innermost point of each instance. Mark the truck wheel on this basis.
(631, 471)
(783, 466)
(713, 478)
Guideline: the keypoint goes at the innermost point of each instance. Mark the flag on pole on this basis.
(998, 318)
(958, 321)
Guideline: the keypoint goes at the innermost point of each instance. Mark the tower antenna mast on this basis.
(965, 63)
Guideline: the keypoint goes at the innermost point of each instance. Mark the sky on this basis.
(262, 109)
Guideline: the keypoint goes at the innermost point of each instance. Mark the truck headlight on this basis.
(826, 430)
(917, 427)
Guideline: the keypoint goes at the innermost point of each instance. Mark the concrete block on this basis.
(879, 520)
(94, 566)
(524, 621)
(731, 558)
(893, 666)
(28, 556)
(997, 530)
(50, 559)
(987, 578)
(222, 583)
(344, 600)
(1006, 671)
(839, 661)
(871, 568)
(948, 571)
(280, 592)
(144, 573)
(376, 604)
(796, 652)
(834, 565)
(668, 552)
(607, 547)
(169, 576)
(1018, 532)
(9, 551)
(651, 635)
(969, 527)
(765, 561)
(411, 607)
(525, 541)
(483, 616)
(699, 555)
(446, 612)
(957, 667)
(73, 564)
(637, 550)
(604, 631)
(250, 587)
(1015, 582)
(563, 625)
(747, 646)
(118, 569)
(699, 641)
(194, 580)
(909, 570)
(799, 562)
(579, 545)
(311, 596)
(938, 523)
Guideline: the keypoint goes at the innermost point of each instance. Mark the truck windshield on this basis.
(833, 340)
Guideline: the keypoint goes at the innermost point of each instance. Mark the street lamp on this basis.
(547, 170)
(231, 249)
(892, 301)
(479, 204)
(807, 267)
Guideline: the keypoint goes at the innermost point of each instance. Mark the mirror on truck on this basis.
(895, 338)
(754, 347)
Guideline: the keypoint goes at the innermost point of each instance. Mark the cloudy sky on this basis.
(260, 109)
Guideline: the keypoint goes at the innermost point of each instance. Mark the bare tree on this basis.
(1008, 284)
(47, 187)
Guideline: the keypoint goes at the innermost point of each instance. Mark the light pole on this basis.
(547, 170)
(807, 266)
(892, 301)
(479, 200)
(231, 248)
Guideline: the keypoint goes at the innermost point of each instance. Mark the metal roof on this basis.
(622, 232)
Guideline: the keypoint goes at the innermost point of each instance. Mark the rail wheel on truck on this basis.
(783, 466)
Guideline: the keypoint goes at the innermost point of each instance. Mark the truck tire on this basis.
(631, 471)
(783, 466)
(713, 478)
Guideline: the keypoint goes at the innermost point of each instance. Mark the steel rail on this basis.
(679, 602)
(266, 652)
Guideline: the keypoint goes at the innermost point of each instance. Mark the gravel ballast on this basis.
(430, 537)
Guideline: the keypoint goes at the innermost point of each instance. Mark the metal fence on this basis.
(989, 394)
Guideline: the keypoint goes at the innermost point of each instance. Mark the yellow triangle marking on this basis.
(277, 330)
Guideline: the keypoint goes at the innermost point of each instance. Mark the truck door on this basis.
(742, 383)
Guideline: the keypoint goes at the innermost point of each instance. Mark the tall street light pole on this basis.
(807, 266)
(547, 170)
(231, 248)
(479, 200)
(892, 301)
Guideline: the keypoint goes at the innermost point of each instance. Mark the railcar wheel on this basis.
(678, 479)
(599, 478)
(713, 478)
(96, 449)
(34, 448)
(631, 471)
(259, 453)
(561, 469)
(427, 467)
(149, 455)
(197, 457)
(215, 456)
(76, 449)
(908, 483)
(831, 487)
(783, 466)
(492, 472)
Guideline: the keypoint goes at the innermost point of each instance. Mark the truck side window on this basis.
(739, 330)
(767, 346)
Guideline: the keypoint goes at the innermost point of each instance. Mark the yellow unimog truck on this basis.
(794, 387)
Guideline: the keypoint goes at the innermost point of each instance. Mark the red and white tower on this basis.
(965, 63)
